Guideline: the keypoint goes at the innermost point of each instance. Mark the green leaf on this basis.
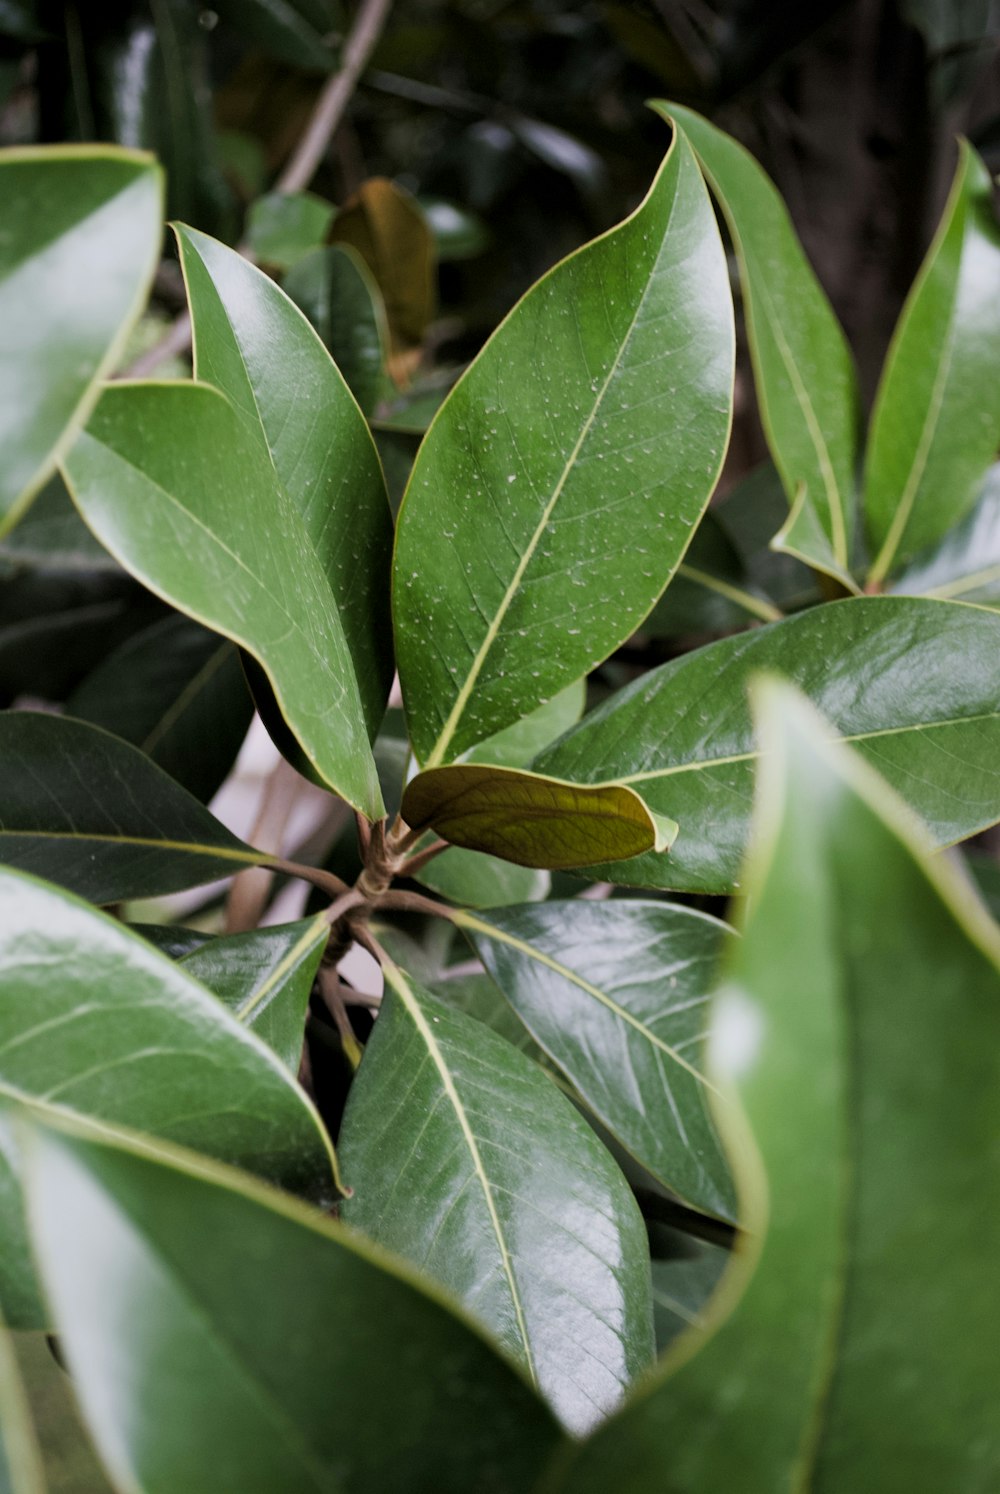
(21, 1470)
(860, 1018)
(803, 370)
(710, 592)
(474, 880)
(533, 820)
(90, 812)
(131, 1040)
(936, 423)
(261, 1363)
(251, 342)
(178, 692)
(478, 996)
(686, 1272)
(167, 479)
(282, 227)
(616, 994)
(81, 239)
(334, 288)
(914, 684)
(516, 745)
(264, 977)
(299, 32)
(467, 1160)
(965, 565)
(556, 490)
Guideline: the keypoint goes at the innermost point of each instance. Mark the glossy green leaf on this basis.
(131, 1040)
(261, 1363)
(167, 478)
(81, 239)
(965, 565)
(474, 880)
(616, 993)
(251, 342)
(477, 995)
(804, 373)
(516, 745)
(178, 692)
(915, 685)
(936, 423)
(556, 490)
(175, 940)
(90, 812)
(710, 592)
(467, 1160)
(264, 977)
(533, 820)
(334, 288)
(21, 1470)
(283, 226)
(860, 1017)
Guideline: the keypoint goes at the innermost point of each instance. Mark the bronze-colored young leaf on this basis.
(532, 820)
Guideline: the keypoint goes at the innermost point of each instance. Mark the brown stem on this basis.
(368, 941)
(413, 902)
(326, 881)
(414, 863)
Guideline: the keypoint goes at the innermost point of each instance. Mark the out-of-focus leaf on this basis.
(936, 426)
(131, 1040)
(804, 373)
(467, 1159)
(616, 993)
(914, 684)
(474, 880)
(84, 809)
(270, 1347)
(168, 478)
(710, 592)
(81, 239)
(563, 153)
(458, 233)
(533, 820)
(282, 227)
(178, 692)
(869, 1069)
(985, 872)
(21, 1469)
(302, 33)
(686, 1272)
(334, 288)
(965, 565)
(612, 377)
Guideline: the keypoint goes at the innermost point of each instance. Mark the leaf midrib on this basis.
(192, 848)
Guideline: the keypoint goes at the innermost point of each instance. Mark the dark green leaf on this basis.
(166, 477)
(172, 939)
(860, 1017)
(131, 1040)
(261, 1363)
(458, 233)
(516, 745)
(90, 812)
(81, 239)
(915, 685)
(804, 373)
(282, 226)
(264, 977)
(519, 564)
(334, 288)
(466, 1159)
(299, 32)
(474, 880)
(710, 592)
(965, 565)
(686, 1272)
(616, 993)
(936, 423)
(477, 995)
(178, 692)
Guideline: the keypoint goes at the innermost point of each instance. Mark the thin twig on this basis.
(422, 857)
(326, 881)
(413, 902)
(368, 941)
(352, 898)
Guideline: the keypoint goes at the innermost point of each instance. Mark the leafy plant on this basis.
(543, 1168)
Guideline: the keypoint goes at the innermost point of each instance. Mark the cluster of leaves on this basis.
(538, 1174)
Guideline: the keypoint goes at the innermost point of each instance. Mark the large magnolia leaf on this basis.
(806, 385)
(861, 1019)
(265, 977)
(334, 288)
(533, 820)
(914, 684)
(221, 1336)
(965, 565)
(90, 812)
(168, 480)
(255, 345)
(557, 489)
(466, 1159)
(21, 1469)
(81, 239)
(936, 423)
(616, 993)
(132, 1040)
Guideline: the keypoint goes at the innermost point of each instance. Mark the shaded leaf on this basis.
(557, 488)
(90, 812)
(965, 565)
(710, 592)
(222, 541)
(467, 1160)
(21, 1470)
(533, 820)
(334, 288)
(686, 1272)
(936, 424)
(804, 373)
(616, 993)
(282, 227)
(131, 1040)
(915, 685)
(270, 1348)
(866, 967)
(81, 240)
(474, 880)
(299, 32)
